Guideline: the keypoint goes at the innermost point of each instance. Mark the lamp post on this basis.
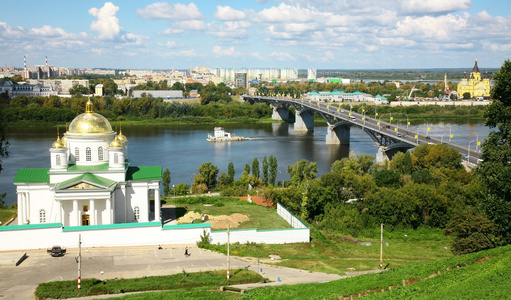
(397, 128)
(379, 124)
(427, 127)
(468, 155)
(477, 141)
(450, 134)
(442, 138)
(174, 188)
(390, 118)
(191, 181)
(417, 135)
(407, 122)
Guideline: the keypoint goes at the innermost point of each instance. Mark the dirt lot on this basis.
(217, 222)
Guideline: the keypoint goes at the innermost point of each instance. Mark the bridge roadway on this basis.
(385, 134)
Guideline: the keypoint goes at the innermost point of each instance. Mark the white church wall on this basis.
(140, 198)
(40, 198)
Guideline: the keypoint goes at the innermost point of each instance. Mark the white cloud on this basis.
(217, 50)
(180, 27)
(422, 7)
(170, 44)
(106, 24)
(282, 56)
(164, 10)
(227, 13)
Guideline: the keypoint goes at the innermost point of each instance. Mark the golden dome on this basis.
(64, 140)
(89, 122)
(116, 143)
(58, 144)
(122, 137)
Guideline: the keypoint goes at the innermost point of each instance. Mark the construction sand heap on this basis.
(217, 222)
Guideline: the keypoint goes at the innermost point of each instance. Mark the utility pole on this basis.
(381, 248)
(228, 254)
(79, 260)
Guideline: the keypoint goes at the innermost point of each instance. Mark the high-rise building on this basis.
(241, 80)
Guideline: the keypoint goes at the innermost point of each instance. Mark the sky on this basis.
(321, 34)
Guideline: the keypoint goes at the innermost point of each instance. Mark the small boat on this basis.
(220, 135)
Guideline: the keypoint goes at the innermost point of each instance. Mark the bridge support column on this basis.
(280, 114)
(304, 121)
(338, 135)
(387, 154)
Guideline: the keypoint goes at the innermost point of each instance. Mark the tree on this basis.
(273, 169)
(495, 170)
(4, 144)
(207, 175)
(246, 170)
(302, 170)
(265, 171)
(255, 168)
(466, 95)
(231, 172)
(472, 232)
(166, 182)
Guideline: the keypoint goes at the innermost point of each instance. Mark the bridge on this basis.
(389, 137)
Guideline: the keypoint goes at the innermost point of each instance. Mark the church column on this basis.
(157, 205)
(27, 207)
(20, 209)
(92, 214)
(109, 211)
(74, 221)
(61, 213)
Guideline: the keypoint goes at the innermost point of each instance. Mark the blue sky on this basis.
(322, 34)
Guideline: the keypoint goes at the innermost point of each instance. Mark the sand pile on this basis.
(217, 222)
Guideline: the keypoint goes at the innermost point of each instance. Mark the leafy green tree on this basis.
(246, 170)
(273, 169)
(402, 163)
(207, 175)
(79, 90)
(435, 156)
(387, 178)
(302, 170)
(495, 171)
(472, 232)
(265, 171)
(255, 168)
(231, 172)
(166, 182)
(4, 144)
(466, 95)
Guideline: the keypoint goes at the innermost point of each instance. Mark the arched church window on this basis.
(100, 153)
(136, 213)
(88, 154)
(57, 160)
(116, 158)
(42, 216)
(77, 154)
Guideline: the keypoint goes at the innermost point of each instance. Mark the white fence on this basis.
(42, 236)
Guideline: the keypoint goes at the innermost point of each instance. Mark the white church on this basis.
(90, 180)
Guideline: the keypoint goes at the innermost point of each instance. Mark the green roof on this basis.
(32, 176)
(88, 168)
(144, 173)
(89, 178)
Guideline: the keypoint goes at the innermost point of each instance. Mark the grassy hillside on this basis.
(481, 275)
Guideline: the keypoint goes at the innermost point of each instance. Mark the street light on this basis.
(407, 122)
(174, 188)
(397, 127)
(450, 134)
(191, 181)
(477, 141)
(442, 139)
(427, 126)
(468, 156)
(379, 122)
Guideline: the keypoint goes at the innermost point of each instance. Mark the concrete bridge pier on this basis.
(384, 153)
(338, 135)
(280, 114)
(304, 120)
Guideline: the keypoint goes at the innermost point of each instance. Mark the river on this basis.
(182, 149)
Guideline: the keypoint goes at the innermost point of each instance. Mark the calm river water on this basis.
(182, 149)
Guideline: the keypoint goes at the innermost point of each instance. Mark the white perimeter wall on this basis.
(30, 237)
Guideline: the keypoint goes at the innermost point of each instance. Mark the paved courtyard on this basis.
(128, 262)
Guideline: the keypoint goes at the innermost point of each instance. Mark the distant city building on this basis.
(477, 86)
(311, 74)
(60, 85)
(165, 94)
(99, 90)
(339, 96)
(29, 90)
(241, 80)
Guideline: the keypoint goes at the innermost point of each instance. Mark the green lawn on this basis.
(6, 213)
(261, 217)
(331, 253)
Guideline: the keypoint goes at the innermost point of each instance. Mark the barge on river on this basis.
(220, 135)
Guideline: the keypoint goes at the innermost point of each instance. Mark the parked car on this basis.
(56, 251)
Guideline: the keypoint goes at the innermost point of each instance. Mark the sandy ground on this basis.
(217, 222)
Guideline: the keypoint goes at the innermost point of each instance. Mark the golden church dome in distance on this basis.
(116, 143)
(58, 144)
(89, 122)
(122, 137)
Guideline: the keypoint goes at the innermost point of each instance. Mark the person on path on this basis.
(186, 252)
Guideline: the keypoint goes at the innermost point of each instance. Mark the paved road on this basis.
(108, 263)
